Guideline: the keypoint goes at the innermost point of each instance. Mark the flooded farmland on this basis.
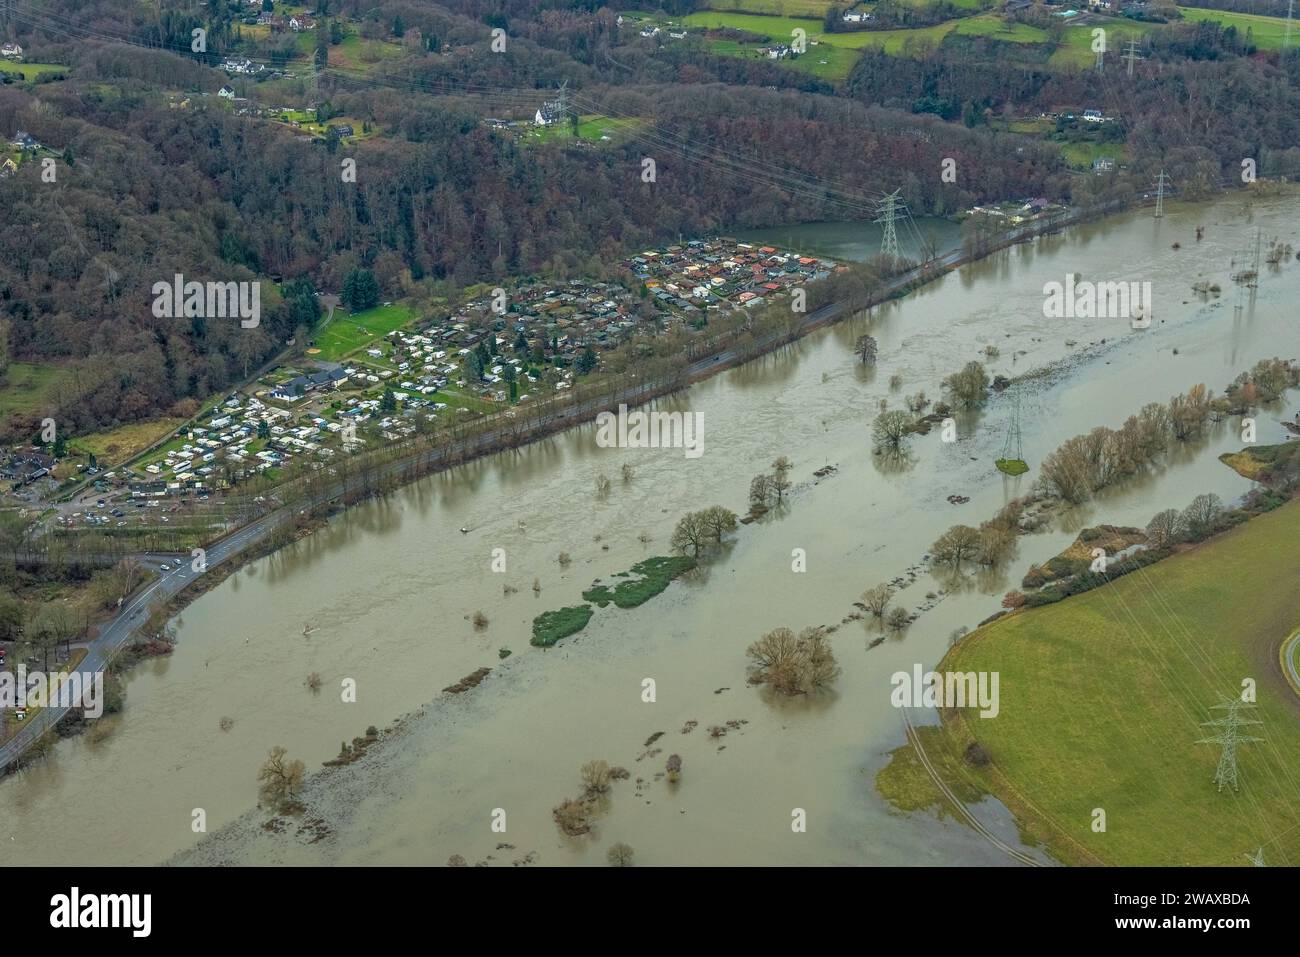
(384, 594)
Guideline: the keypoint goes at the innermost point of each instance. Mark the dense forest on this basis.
(147, 189)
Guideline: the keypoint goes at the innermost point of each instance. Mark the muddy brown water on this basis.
(384, 592)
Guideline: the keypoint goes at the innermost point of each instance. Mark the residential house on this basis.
(549, 113)
(11, 51)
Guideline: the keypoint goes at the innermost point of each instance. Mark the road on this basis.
(116, 633)
(1288, 654)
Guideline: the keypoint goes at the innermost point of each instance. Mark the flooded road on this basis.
(382, 596)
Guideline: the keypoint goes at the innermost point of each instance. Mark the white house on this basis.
(853, 16)
(11, 51)
(226, 92)
(548, 115)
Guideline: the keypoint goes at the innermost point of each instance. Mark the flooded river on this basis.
(383, 595)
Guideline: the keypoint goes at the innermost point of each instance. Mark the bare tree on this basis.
(866, 349)
(996, 542)
(1164, 528)
(970, 386)
(595, 776)
(794, 665)
(955, 545)
(760, 491)
(691, 534)
(876, 599)
(1199, 518)
(718, 520)
(279, 780)
(781, 477)
(890, 428)
(1187, 413)
(619, 855)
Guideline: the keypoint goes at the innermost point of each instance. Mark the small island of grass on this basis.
(653, 576)
(549, 627)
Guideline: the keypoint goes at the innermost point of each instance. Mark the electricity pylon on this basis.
(889, 209)
(1161, 182)
(1256, 859)
(1132, 55)
(1229, 737)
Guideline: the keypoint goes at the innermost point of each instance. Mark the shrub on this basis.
(619, 855)
(596, 777)
(876, 599)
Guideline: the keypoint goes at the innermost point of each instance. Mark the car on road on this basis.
(165, 567)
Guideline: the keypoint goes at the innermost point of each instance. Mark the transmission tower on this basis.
(1013, 459)
(1132, 55)
(1101, 58)
(890, 209)
(562, 101)
(1256, 859)
(1229, 736)
(1162, 181)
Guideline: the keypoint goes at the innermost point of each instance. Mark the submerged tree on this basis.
(279, 780)
(890, 429)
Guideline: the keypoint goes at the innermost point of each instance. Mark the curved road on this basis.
(1288, 655)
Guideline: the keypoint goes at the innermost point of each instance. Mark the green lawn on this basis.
(346, 334)
(1267, 33)
(1102, 696)
(30, 71)
(1080, 155)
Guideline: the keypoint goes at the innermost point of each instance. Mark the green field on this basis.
(30, 71)
(1268, 33)
(30, 387)
(778, 8)
(832, 55)
(590, 128)
(118, 445)
(1076, 47)
(1080, 155)
(346, 334)
(1102, 698)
